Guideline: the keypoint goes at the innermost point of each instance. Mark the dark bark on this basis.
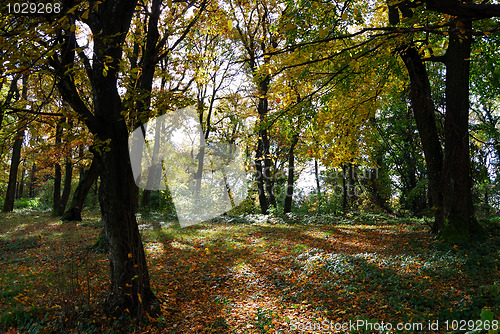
(145, 199)
(155, 170)
(16, 149)
(264, 206)
(291, 171)
(148, 64)
(449, 174)
(261, 154)
(129, 278)
(32, 181)
(424, 113)
(459, 221)
(267, 169)
(130, 287)
(11, 94)
(464, 9)
(351, 193)
(68, 175)
(8, 205)
(344, 188)
(56, 197)
(20, 185)
(316, 176)
(201, 153)
(89, 177)
(264, 154)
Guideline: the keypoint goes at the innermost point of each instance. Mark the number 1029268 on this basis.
(33, 8)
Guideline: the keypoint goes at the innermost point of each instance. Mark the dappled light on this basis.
(267, 166)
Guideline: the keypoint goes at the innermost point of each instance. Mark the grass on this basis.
(252, 274)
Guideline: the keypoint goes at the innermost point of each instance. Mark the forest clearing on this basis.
(249, 166)
(257, 274)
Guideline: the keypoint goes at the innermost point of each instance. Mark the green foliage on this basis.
(264, 320)
(220, 325)
(248, 206)
(20, 244)
(35, 203)
(320, 204)
(30, 320)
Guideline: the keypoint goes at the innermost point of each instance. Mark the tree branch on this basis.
(464, 9)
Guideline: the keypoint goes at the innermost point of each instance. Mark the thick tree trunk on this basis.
(262, 161)
(265, 155)
(8, 205)
(449, 175)
(129, 278)
(74, 213)
(459, 220)
(423, 111)
(291, 171)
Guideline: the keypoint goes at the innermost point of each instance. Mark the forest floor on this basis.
(253, 274)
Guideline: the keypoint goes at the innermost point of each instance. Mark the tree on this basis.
(449, 172)
(88, 178)
(253, 31)
(16, 154)
(109, 23)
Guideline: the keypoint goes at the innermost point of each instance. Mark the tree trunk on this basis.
(264, 206)
(262, 161)
(68, 175)
(56, 197)
(145, 86)
(146, 199)
(459, 220)
(351, 193)
(74, 213)
(265, 152)
(20, 186)
(291, 168)
(129, 276)
(344, 188)
(8, 205)
(316, 176)
(32, 181)
(423, 111)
